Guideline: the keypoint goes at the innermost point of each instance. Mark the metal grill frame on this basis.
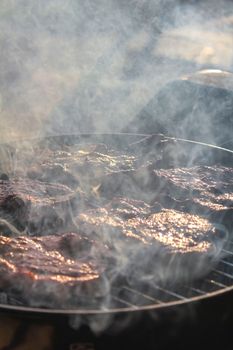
(173, 296)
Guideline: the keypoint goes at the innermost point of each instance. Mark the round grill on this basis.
(124, 297)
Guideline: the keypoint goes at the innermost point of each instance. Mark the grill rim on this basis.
(75, 312)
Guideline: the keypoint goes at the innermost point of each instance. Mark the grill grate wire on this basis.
(126, 297)
(219, 278)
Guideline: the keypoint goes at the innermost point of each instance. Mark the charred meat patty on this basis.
(175, 230)
(202, 190)
(206, 190)
(155, 237)
(213, 184)
(52, 269)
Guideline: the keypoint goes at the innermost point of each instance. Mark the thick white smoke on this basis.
(87, 66)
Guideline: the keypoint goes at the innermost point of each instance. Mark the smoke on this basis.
(72, 66)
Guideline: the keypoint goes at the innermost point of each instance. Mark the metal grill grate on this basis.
(168, 151)
(220, 278)
(126, 298)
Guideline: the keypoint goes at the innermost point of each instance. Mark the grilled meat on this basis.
(127, 208)
(175, 230)
(207, 190)
(134, 183)
(80, 165)
(179, 246)
(53, 270)
(204, 190)
(113, 216)
(145, 233)
(35, 205)
(215, 183)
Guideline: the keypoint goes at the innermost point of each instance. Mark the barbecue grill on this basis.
(140, 313)
(121, 66)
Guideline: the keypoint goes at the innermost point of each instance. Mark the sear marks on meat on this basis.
(35, 205)
(52, 269)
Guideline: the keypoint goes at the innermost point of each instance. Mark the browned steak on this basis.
(213, 183)
(35, 205)
(207, 190)
(81, 165)
(151, 234)
(52, 270)
(204, 190)
(112, 217)
(175, 230)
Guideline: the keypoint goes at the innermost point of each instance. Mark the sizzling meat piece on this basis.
(154, 238)
(178, 232)
(82, 165)
(213, 184)
(34, 204)
(207, 190)
(175, 230)
(127, 208)
(52, 269)
(106, 222)
(206, 186)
